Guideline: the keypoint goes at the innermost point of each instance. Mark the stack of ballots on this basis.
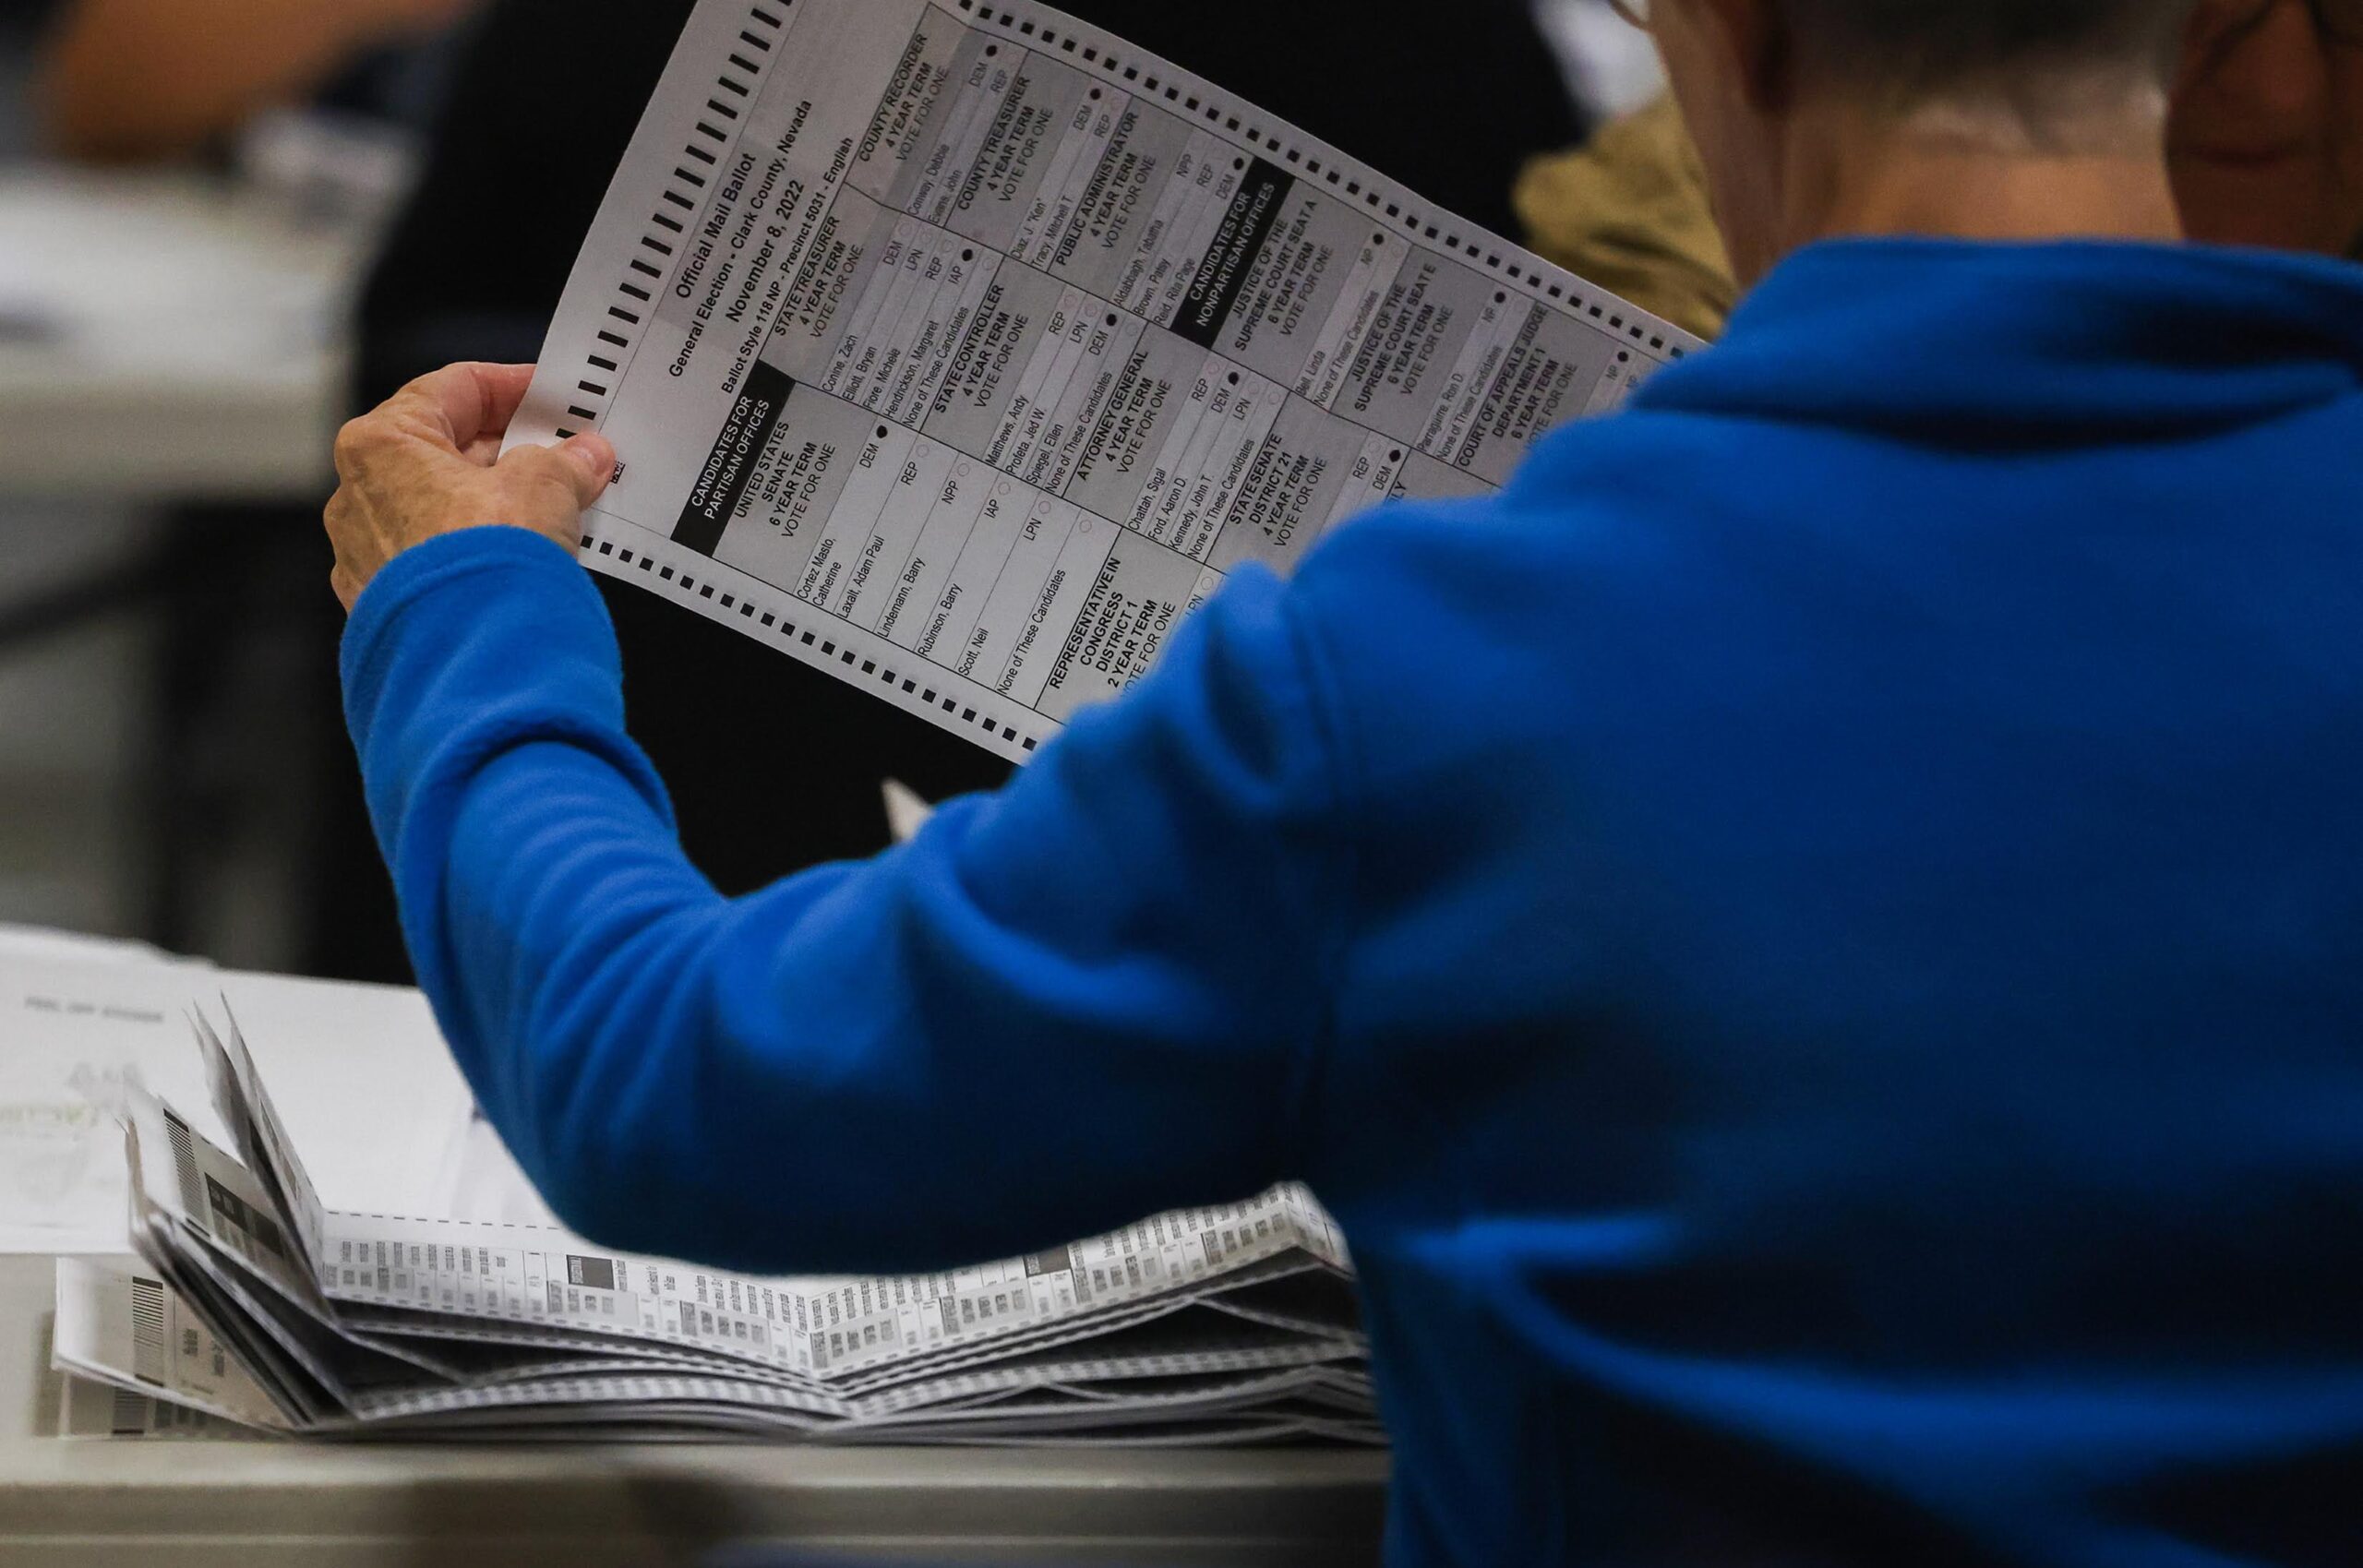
(260, 1301)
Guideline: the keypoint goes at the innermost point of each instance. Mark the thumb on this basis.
(571, 475)
(549, 487)
(591, 459)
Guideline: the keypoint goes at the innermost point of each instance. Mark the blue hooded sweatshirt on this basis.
(1814, 944)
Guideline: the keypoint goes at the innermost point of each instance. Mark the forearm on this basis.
(607, 1006)
(571, 950)
(947, 1054)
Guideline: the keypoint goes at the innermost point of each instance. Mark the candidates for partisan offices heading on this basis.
(962, 350)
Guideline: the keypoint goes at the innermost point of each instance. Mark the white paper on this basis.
(372, 1320)
(359, 1072)
(315, 1192)
(72, 1031)
(963, 350)
(366, 1088)
(121, 1326)
(907, 810)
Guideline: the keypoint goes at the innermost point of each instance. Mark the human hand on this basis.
(427, 463)
(2267, 136)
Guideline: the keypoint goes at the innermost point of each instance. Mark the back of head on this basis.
(1799, 106)
(1906, 53)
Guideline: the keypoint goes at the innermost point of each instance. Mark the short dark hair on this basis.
(1922, 48)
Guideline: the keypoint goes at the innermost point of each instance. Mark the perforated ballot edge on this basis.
(614, 363)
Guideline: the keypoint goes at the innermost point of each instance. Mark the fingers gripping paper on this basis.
(962, 350)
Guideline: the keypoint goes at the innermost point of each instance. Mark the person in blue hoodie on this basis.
(1814, 944)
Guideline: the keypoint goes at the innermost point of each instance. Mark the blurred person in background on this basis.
(557, 85)
(2267, 128)
(21, 24)
(2266, 142)
(1628, 211)
(242, 738)
(138, 80)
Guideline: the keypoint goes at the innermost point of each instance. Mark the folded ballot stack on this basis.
(258, 1304)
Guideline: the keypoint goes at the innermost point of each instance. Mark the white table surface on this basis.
(79, 1504)
(163, 337)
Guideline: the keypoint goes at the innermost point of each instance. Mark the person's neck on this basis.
(1947, 176)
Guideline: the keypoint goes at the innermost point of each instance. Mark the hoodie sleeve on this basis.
(1098, 994)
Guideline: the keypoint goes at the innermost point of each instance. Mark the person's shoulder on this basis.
(1432, 624)
(1590, 494)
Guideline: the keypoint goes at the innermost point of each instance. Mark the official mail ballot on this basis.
(963, 349)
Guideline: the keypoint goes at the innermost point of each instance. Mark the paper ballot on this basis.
(77, 1034)
(961, 349)
(331, 1242)
(907, 810)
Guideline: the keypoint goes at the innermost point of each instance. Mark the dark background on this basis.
(237, 819)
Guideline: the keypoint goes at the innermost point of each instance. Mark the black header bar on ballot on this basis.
(730, 468)
(1222, 277)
